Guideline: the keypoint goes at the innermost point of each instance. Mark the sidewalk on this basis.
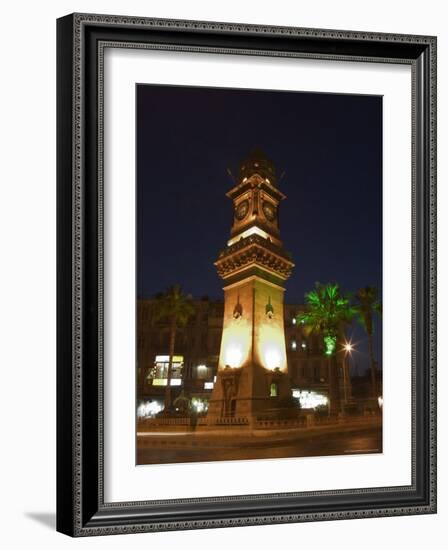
(232, 436)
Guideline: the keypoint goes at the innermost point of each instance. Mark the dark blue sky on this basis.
(329, 147)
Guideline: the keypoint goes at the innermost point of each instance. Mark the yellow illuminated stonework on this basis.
(237, 330)
(252, 371)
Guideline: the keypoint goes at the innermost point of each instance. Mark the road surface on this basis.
(363, 440)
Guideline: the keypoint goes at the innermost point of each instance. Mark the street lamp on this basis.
(348, 348)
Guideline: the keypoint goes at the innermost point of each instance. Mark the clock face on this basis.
(269, 211)
(241, 210)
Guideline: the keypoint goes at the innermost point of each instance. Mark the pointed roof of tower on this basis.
(258, 163)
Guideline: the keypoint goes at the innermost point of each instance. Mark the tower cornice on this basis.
(254, 251)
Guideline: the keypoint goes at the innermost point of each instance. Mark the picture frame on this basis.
(81, 507)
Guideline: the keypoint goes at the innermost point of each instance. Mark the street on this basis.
(362, 440)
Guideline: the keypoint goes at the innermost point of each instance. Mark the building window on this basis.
(293, 369)
(316, 368)
(159, 373)
(202, 371)
(273, 390)
(304, 369)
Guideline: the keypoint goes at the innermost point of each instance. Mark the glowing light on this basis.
(294, 320)
(208, 385)
(148, 409)
(294, 345)
(262, 341)
(380, 402)
(348, 347)
(166, 358)
(236, 338)
(269, 342)
(199, 405)
(233, 356)
(330, 344)
(163, 382)
(303, 345)
(310, 399)
(272, 358)
(202, 371)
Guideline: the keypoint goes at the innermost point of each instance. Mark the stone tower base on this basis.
(244, 395)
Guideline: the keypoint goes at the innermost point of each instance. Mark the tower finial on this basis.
(258, 163)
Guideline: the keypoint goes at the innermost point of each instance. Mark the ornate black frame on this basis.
(81, 39)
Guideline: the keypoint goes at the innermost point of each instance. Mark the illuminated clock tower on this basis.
(252, 374)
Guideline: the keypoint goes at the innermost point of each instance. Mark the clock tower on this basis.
(252, 373)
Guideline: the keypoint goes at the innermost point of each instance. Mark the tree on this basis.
(175, 308)
(327, 311)
(367, 307)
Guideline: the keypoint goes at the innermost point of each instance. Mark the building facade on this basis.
(197, 351)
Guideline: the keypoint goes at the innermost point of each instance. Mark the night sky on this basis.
(329, 147)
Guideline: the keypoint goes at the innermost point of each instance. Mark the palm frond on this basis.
(366, 306)
(326, 311)
(173, 306)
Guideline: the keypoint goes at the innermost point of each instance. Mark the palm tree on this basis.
(367, 306)
(176, 308)
(327, 310)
